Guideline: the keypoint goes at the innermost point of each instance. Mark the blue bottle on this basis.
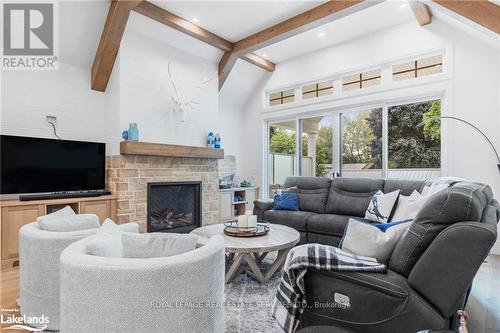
(217, 141)
(211, 140)
(133, 132)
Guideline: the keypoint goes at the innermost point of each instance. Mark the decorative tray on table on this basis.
(231, 229)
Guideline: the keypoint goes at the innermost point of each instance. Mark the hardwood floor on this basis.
(483, 306)
(9, 291)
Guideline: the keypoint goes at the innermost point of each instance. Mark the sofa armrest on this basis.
(446, 269)
(261, 205)
(366, 302)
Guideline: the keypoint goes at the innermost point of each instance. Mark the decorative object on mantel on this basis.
(133, 132)
(233, 229)
(160, 149)
(125, 135)
(213, 140)
(217, 143)
(183, 103)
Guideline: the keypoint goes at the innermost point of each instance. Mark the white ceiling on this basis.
(378, 17)
(234, 20)
(160, 32)
(80, 28)
(241, 83)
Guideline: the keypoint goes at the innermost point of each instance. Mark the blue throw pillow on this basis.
(286, 200)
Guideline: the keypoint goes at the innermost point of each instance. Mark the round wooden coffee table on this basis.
(252, 250)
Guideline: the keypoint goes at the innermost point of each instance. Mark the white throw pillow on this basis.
(70, 223)
(372, 239)
(108, 240)
(61, 213)
(156, 244)
(408, 206)
(431, 189)
(381, 206)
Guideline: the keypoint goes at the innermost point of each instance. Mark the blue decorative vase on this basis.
(133, 132)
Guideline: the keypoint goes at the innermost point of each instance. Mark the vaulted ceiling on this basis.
(232, 21)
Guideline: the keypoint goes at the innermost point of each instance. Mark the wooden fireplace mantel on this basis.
(160, 149)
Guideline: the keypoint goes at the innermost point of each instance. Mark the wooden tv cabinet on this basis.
(15, 213)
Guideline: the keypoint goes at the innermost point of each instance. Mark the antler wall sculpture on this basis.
(183, 102)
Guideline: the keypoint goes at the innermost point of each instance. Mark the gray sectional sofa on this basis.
(326, 205)
(430, 270)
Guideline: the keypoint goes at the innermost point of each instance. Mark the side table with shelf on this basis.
(229, 208)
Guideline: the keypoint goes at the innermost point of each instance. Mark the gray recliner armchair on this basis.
(430, 270)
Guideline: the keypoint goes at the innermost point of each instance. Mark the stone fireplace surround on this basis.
(127, 177)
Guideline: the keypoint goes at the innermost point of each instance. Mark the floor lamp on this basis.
(471, 125)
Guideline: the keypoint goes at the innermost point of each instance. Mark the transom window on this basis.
(282, 97)
(417, 68)
(361, 80)
(317, 89)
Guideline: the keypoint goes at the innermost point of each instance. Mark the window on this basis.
(282, 97)
(282, 144)
(362, 143)
(317, 146)
(361, 80)
(414, 132)
(391, 141)
(417, 68)
(317, 89)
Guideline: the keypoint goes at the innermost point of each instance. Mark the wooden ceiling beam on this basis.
(226, 64)
(422, 12)
(104, 60)
(307, 20)
(178, 23)
(259, 61)
(482, 12)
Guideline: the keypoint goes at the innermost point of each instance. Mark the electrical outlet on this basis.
(51, 119)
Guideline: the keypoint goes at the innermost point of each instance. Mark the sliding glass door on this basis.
(361, 143)
(317, 146)
(282, 153)
(400, 140)
(414, 140)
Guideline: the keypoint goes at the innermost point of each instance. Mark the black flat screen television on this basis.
(35, 165)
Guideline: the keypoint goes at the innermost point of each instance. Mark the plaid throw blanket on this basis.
(290, 299)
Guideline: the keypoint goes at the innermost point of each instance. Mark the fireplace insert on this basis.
(174, 206)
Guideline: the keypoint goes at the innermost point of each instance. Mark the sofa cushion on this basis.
(286, 199)
(107, 242)
(156, 244)
(405, 186)
(70, 223)
(308, 183)
(296, 220)
(374, 240)
(351, 196)
(463, 201)
(312, 192)
(67, 211)
(382, 206)
(313, 200)
(329, 224)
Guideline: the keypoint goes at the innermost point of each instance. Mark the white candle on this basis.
(242, 221)
(252, 221)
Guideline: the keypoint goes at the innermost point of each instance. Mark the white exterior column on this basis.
(311, 150)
